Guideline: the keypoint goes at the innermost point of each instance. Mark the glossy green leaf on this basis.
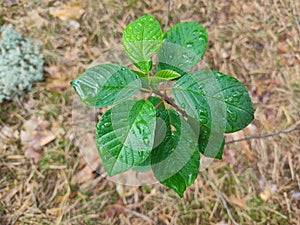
(183, 46)
(160, 132)
(164, 75)
(125, 135)
(140, 74)
(161, 127)
(145, 166)
(141, 39)
(106, 84)
(219, 102)
(210, 144)
(175, 161)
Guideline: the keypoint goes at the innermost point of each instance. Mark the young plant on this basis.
(168, 129)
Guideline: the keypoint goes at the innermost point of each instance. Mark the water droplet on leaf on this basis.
(189, 44)
(237, 95)
(204, 121)
(185, 56)
(232, 115)
(146, 141)
(107, 124)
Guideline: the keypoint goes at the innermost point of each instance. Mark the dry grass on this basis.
(256, 41)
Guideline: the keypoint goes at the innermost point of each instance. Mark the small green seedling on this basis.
(167, 130)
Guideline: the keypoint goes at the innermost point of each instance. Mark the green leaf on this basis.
(105, 85)
(164, 75)
(219, 102)
(183, 46)
(175, 162)
(210, 144)
(161, 128)
(145, 166)
(125, 135)
(140, 74)
(141, 39)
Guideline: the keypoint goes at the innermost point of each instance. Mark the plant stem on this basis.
(170, 102)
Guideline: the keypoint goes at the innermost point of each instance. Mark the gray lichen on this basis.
(21, 63)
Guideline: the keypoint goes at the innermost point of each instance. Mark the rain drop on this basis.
(190, 178)
(182, 105)
(237, 95)
(189, 44)
(230, 99)
(107, 124)
(185, 56)
(189, 140)
(146, 141)
(204, 120)
(232, 115)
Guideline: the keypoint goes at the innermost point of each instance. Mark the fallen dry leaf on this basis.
(36, 20)
(229, 156)
(282, 48)
(57, 84)
(53, 71)
(58, 80)
(36, 133)
(47, 138)
(242, 203)
(36, 139)
(54, 211)
(114, 210)
(67, 12)
(84, 175)
(31, 153)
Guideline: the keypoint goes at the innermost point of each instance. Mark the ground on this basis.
(255, 41)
